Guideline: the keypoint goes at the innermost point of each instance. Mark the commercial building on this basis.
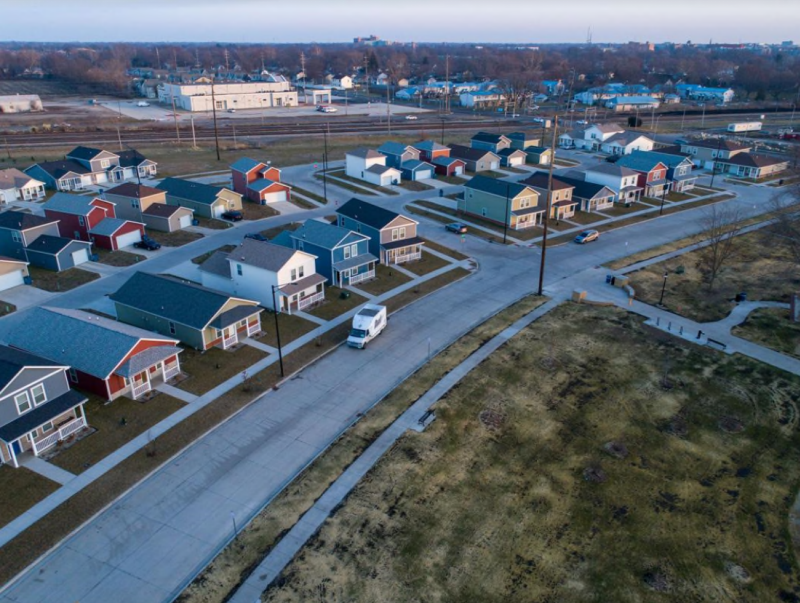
(276, 92)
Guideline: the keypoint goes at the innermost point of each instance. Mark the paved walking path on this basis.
(176, 392)
(260, 346)
(48, 470)
(307, 526)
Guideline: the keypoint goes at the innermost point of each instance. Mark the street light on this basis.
(663, 288)
(663, 197)
(277, 329)
(505, 224)
(714, 165)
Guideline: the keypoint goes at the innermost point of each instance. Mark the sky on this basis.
(512, 21)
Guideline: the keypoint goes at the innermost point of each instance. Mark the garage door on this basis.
(128, 239)
(424, 174)
(495, 165)
(12, 279)
(459, 169)
(275, 197)
(218, 210)
(185, 221)
(80, 257)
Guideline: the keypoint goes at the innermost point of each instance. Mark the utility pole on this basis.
(277, 329)
(175, 117)
(447, 83)
(388, 107)
(303, 71)
(119, 138)
(549, 204)
(158, 59)
(8, 149)
(214, 111)
(366, 76)
(505, 224)
(227, 66)
(194, 140)
(325, 167)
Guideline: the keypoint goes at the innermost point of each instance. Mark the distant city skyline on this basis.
(303, 21)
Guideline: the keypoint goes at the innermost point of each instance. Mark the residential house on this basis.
(115, 233)
(705, 153)
(344, 82)
(490, 142)
(623, 181)
(590, 196)
(397, 153)
(475, 160)
(16, 185)
(370, 166)
(539, 155)
(553, 87)
(392, 236)
(482, 99)
(512, 157)
(37, 407)
(196, 316)
(652, 173)
(35, 239)
(272, 274)
(589, 138)
(449, 166)
(704, 93)
(562, 205)
(750, 165)
(625, 143)
(64, 175)
(87, 166)
(414, 169)
(167, 218)
(13, 273)
(609, 91)
(430, 150)
(259, 182)
(131, 199)
(84, 218)
(205, 200)
(106, 357)
(522, 140)
(343, 256)
(503, 202)
(679, 168)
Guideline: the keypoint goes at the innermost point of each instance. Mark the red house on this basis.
(652, 173)
(259, 182)
(86, 219)
(449, 166)
(108, 358)
(430, 150)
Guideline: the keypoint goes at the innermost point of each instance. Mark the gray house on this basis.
(37, 407)
(398, 153)
(204, 199)
(392, 236)
(476, 160)
(490, 142)
(36, 240)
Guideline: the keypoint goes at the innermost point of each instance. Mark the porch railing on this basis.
(305, 302)
(171, 370)
(408, 257)
(45, 443)
(254, 328)
(63, 432)
(138, 390)
(362, 277)
(229, 341)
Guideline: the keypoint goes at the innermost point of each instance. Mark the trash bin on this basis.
(441, 193)
(344, 295)
(741, 297)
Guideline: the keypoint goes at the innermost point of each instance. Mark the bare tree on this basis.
(721, 225)
(785, 229)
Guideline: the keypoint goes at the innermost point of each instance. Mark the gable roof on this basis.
(625, 138)
(162, 210)
(612, 169)
(606, 128)
(429, 146)
(415, 164)
(538, 150)
(59, 169)
(369, 214)
(751, 160)
(132, 158)
(108, 226)
(671, 160)
(539, 180)
(18, 220)
(261, 254)
(13, 178)
(446, 161)
(522, 136)
(495, 186)
(366, 153)
(395, 148)
(89, 343)
(326, 236)
(173, 299)
(721, 143)
(131, 189)
(78, 205)
(53, 245)
(13, 361)
(192, 191)
(217, 264)
(86, 153)
(263, 184)
(510, 152)
(489, 137)
(468, 152)
(245, 165)
(586, 190)
(381, 169)
(640, 161)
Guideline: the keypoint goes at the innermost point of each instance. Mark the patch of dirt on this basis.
(677, 426)
(657, 580)
(594, 474)
(616, 449)
(491, 419)
(731, 425)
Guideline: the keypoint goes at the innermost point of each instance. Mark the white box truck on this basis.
(745, 126)
(368, 322)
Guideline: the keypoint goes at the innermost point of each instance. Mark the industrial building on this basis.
(20, 103)
(277, 92)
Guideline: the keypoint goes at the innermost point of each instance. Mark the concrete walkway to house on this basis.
(291, 543)
(45, 469)
(176, 392)
(260, 346)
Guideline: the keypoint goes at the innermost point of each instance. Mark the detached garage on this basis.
(415, 169)
(114, 233)
(449, 166)
(57, 253)
(512, 157)
(265, 191)
(12, 273)
(167, 218)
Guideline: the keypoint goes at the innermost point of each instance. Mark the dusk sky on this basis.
(272, 21)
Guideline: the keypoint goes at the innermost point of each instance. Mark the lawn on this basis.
(426, 264)
(488, 174)
(760, 268)
(772, 328)
(386, 279)
(583, 217)
(22, 488)
(174, 239)
(291, 326)
(334, 305)
(60, 281)
(254, 211)
(232, 565)
(515, 170)
(457, 255)
(117, 423)
(619, 209)
(457, 180)
(604, 482)
(673, 196)
(302, 203)
(415, 185)
(202, 258)
(401, 300)
(208, 369)
(309, 194)
(215, 224)
(347, 186)
(118, 258)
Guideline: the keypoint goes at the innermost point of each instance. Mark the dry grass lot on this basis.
(254, 211)
(214, 224)
(60, 281)
(334, 305)
(202, 258)
(226, 571)
(760, 268)
(426, 264)
(291, 326)
(117, 423)
(347, 186)
(308, 193)
(415, 185)
(772, 328)
(208, 369)
(386, 279)
(422, 289)
(597, 484)
(583, 217)
(118, 258)
(22, 488)
(174, 239)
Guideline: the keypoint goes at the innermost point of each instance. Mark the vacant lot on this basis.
(760, 268)
(60, 281)
(22, 488)
(601, 483)
(771, 327)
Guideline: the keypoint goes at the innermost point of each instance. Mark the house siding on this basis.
(55, 385)
(125, 206)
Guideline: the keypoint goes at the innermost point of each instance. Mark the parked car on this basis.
(142, 104)
(233, 215)
(411, 117)
(231, 110)
(147, 243)
(587, 236)
(327, 109)
(257, 236)
(456, 227)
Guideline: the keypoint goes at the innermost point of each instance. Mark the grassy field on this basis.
(334, 305)
(760, 268)
(772, 328)
(60, 281)
(22, 488)
(226, 571)
(212, 367)
(601, 483)
(118, 258)
(386, 279)
(291, 326)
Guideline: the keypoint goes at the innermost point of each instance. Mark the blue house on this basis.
(392, 236)
(343, 256)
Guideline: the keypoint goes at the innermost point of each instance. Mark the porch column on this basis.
(13, 455)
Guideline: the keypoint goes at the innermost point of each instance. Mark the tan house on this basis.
(12, 272)
(133, 199)
(502, 202)
(167, 218)
(704, 153)
(562, 203)
(206, 200)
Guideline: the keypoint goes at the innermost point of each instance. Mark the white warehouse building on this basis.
(244, 95)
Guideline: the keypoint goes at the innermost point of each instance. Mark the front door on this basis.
(16, 447)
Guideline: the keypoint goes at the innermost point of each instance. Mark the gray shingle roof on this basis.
(245, 164)
(13, 361)
(495, 186)
(91, 344)
(18, 220)
(13, 178)
(78, 205)
(261, 254)
(108, 226)
(587, 190)
(751, 160)
(131, 158)
(394, 148)
(40, 415)
(429, 146)
(354, 262)
(85, 153)
(539, 180)
(641, 162)
(415, 164)
(192, 191)
(488, 137)
(146, 358)
(58, 169)
(365, 153)
(625, 138)
(612, 169)
(53, 245)
(131, 189)
(380, 169)
(461, 152)
(511, 152)
(368, 214)
(326, 236)
(162, 210)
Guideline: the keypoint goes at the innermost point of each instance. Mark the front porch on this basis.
(302, 294)
(146, 380)
(400, 252)
(354, 270)
(526, 219)
(229, 326)
(152, 366)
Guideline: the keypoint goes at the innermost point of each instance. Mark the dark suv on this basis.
(147, 243)
(233, 215)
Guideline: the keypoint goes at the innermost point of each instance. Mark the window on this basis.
(347, 252)
(104, 163)
(38, 394)
(300, 245)
(81, 221)
(341, 220)
(239, 269)
(47, 427)
(16, 236)
(135, 203)
(172, 328)
(524, 202)
(293, 276)
(301, 271)
(73, 375)
(354, 250)
(483, 211)
(23, 402)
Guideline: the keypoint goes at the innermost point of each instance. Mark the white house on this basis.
(623, 181)
(626, 143)
(591, 137)
(370, 165)
(257, 269)
(345, 82)
(15, 185)
(481, 99)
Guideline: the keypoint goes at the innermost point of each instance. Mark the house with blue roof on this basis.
(343, 256)
(205, 200)
(392, 236)
(398, 153)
